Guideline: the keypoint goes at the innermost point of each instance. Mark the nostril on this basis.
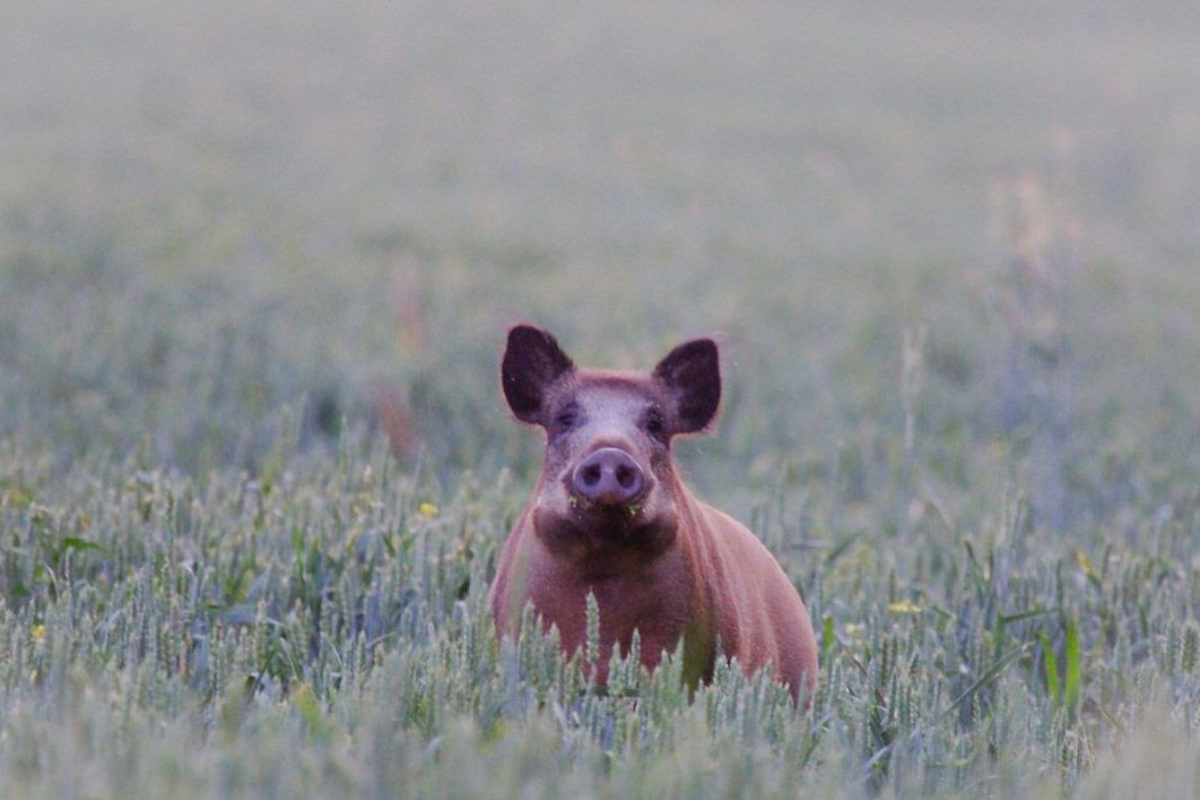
(624, 476)
(590, 474)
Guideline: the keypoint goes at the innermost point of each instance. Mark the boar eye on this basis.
(656, 426)
(566, 419)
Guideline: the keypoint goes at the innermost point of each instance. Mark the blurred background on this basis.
(950, 249)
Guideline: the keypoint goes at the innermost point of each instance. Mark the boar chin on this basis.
(579, 530)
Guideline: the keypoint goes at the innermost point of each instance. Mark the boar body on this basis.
(610, 517)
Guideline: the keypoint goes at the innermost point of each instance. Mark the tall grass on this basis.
(325, 630)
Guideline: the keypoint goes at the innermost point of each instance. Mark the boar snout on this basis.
(608, 477)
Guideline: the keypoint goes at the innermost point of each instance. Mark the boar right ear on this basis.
(532, 362)
(692, 374)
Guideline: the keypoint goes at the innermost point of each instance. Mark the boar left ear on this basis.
(692, 374)
(532, 362)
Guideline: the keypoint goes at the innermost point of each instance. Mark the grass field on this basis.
(951, 254)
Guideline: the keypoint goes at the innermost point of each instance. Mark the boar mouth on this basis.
(616, 511)
(584, 527)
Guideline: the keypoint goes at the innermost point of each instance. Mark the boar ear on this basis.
(692, 374)
(532, 361)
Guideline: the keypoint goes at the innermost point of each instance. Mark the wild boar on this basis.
(610, 516)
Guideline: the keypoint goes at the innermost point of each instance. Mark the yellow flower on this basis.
(1085, 563)
(903, 607)
(38, 633)
(427, 509)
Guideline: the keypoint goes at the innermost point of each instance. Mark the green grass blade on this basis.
(1072, 690)
(1050, 666)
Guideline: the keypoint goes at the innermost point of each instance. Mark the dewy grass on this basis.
(164, 634)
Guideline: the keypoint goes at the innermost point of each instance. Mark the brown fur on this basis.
(667, 565)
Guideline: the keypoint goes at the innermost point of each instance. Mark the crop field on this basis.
(257, 262)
